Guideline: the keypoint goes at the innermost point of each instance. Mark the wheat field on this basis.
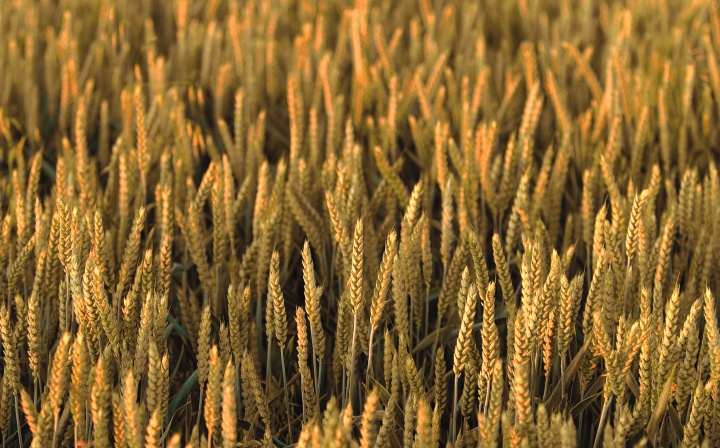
(316, 223)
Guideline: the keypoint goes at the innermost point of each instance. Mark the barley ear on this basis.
(78, 383)
(462, 345)
(277, 300)
(100, 404)
(131, 411)
(313, 294)
(356, 274)
(213, 393)
(307, 385)
(31, 413)
(490, 340)
(229, 407)
(203, 351)
(58, 380)
(423, 438)
(367, 425)
(382, 284)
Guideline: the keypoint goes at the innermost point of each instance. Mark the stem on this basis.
(439, 317)
(352, 360)
(628, 277)
(342, 392)
(370, 368)
(488, 384)
(602, 422)
(332, 274)
(304, 405)
(314, 360)
(287, 397)
(143, 183)
(562, 374)
(67, 300)
(319, 381)
(427, 310)
(199, 408)
(437, 337)
(88, 419)
(17, 417)
(55, 426)
(216, 299)
(535, 367)
(547, 386)
(454, 412)
(267, 368)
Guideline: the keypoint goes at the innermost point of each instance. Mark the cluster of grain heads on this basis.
(494, 223)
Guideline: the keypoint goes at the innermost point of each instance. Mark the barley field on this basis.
(327, 223)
